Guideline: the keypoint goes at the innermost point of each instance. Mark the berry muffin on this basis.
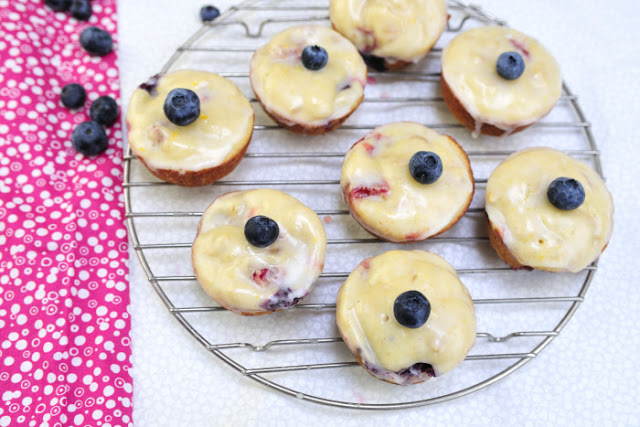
(548, 211)
(309, 79)
(405, 182)
(498, 81)
(258, 251)
(390, 33)
(189, 127)
(406, 316)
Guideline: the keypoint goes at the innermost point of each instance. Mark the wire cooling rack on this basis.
(299, 351)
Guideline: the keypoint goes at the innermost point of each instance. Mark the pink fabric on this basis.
(64, 326)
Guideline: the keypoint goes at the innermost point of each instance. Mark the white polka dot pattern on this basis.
(64, 296)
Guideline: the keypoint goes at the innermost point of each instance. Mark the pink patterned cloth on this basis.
(64, 327)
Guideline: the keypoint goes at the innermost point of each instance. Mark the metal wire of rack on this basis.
(570, 125)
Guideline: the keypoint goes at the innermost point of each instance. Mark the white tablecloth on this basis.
(588, 375)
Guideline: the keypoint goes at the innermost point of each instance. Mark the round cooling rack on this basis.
(299, 352)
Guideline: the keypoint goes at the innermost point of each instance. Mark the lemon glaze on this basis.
(403, 209)
(538, 234)
(392, 29)
(223, 128)
(248, 279)
(469, 69)
(366, 321)
(297, 95)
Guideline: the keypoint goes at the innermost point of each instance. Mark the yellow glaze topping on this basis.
(222, 130)
(537, 233)
(367, 323)
(248, 279)
(399, 208)
(393, 29)
(301, 96)
(469, 68)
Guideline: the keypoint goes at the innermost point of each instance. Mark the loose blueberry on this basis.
(89, 138)
(182, 107)
(566, 193)
(104, 110)
(58, 5)
(261, 231)
(209, 13)
(81, 10)
(73, 96)
(96, 41)
(510, 65)
(425, 167)
(411, 309)
(314, 58)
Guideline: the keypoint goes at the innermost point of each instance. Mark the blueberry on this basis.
(73, 96)
(566, 193)
(411, 309)
(425, 167)
(104, 110)
(261, 231)
(510, 65)
(81, 10)
(96, 41)
(419, 369)
(182, 107)
(314, 58)
(89, 138)
(58, 5)
(209, 13)
(281, 299)
(376, 62)
(151, 85)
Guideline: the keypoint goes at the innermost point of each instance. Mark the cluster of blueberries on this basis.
(88, 138)
(79, 9)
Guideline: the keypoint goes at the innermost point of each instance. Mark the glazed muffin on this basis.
(390, 34)
(258, 251)
(406, 316)
(405, 182)
(548, 211)
(308, 79)
(498, 81)
(189, 127)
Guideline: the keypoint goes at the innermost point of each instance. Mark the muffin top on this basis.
(300, 95)
(395, 29)
(222, 129)
(378, 184)
(536, 232)
(469, 67)
(246, 278)
(371, 324)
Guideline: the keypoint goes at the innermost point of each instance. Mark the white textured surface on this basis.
(587, 375)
